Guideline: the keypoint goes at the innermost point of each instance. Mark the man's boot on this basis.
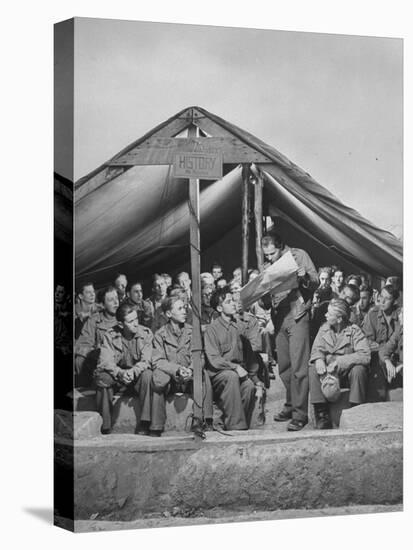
(322, 416)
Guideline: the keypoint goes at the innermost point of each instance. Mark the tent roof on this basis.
(135, 218)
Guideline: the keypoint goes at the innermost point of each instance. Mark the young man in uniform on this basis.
(379, 324)
(121, 282)
(340, 350)
(172, 362)
(233, 389)
(290, 316)
(159, 288)
(85, 306)
(91, 336)
(125, 363)
(217, 272)
(143, 309)
(337, 282)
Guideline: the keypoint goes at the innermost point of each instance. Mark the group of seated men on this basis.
(128, 343)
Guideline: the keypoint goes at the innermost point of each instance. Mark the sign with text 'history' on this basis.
(207, 166)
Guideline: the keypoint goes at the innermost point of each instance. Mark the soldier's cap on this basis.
(330, 387)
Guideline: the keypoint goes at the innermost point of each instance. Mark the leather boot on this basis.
(322, 416)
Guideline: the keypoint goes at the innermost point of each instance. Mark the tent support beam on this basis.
(245, 221)
(195, 247)
(258, 220)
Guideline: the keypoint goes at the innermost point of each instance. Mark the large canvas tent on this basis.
(131, 214)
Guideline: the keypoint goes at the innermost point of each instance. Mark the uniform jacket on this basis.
(250, 330)
(172, 350)
(117, 353)
(375, 326)
(349, 347)
(393, 346)
(223, 344)
(93, 331)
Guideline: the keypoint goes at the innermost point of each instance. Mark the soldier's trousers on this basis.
(235, 398)
(163, 385)
(292, 342)
(107, 385)
(355, 379)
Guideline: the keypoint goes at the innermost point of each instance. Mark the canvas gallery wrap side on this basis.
(228, 299)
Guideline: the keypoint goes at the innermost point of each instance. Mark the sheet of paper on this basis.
(279, 277)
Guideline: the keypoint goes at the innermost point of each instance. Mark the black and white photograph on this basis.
(228, 281)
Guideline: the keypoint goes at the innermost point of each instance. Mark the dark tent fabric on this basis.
(135, 219)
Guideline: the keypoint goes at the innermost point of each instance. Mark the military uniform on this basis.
(224, 351)
(81, 316)
(349, 348)
(116, 355)
(88, 343)
(378, 329)
(290, 317)
(173, 349)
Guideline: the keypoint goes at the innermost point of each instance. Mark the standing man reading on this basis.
(290, 316)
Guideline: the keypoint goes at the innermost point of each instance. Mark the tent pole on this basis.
(258, 220)
(245, 220)
(195, 246)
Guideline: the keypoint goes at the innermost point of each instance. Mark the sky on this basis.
(330, 103)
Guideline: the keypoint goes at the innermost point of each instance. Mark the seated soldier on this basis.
(221, 283)
(184, 281)
(363, 305)
(251, 339)
(391, 354)
(143, 308)
(337, 281)
(237, 274)
(125, 364)
(121, 282)
(207, 279)
(167, 278)
(321, 298)
(379, 324)
(85, 306)
(172, 362)
(396, 283)
(217, 271)
(351, 295)
(91, 336)
(340, 349)
(159, 288)
(208, 313)
(233, 389)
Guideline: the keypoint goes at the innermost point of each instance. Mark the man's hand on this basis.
(399, 368)
(332, 366)
(320, 367)
(125, 376)
(342, 369)
(391, 370)
(138, 369)
(184, 374)
(242, 373)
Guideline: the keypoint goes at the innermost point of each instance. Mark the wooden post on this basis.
(195, 246)
(258, 220)
(245, 221)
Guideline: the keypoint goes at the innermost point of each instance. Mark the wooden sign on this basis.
(205, 166)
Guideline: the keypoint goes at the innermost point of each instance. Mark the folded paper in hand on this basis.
(279, 277)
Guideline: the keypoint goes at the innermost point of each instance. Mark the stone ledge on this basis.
(373, 416)
(280, 471)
